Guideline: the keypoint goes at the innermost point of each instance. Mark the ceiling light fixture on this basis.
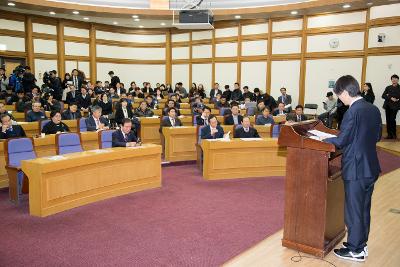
(162, 24)
(238, 17)
(141, 26)
(370, 4)
(135, 16)
(11, 4)
(346, 6)
(52, 13)
(75, 12)
(115, 23)
(294, 12)
(86, 18)
(136, 19)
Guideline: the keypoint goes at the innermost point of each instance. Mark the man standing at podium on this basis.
(360, 131)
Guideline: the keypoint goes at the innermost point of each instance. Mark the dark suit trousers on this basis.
(358, 194)
(391, 122)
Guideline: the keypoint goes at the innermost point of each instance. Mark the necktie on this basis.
(172, 122)
(298, 118)
(126, 137)
(76, 82)
(97, 123)
(73, 116)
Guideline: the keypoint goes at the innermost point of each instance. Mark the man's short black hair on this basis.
(126, 120)
(245, 87)
(299, 106)
(227, 86)
(73, 104)
(171, 108)
(266, 108)
(212, 117)
(208, 108)
(347, 83)
(394, 76)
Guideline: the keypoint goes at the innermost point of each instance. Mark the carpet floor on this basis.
(187, 222)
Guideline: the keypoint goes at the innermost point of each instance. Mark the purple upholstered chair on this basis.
(42, 123)
(195, 120)
(68, 143)
(276, 129)
(82, 125)
(223, 111)
(105, 138)
(18, 149)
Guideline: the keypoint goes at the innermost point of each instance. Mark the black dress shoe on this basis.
(345, 253)
(388, 137)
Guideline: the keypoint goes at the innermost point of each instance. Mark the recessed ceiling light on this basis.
(136, 19)
(294, 12)
(238, 17)
(75, 12)
(115, 23)
(141, 26)
(86, 18)
(135, 16)
(162, 24)
(346, 6)
(52, 13)
(11, 4)
(370, 4)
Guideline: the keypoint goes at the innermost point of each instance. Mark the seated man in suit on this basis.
(213, 130)
(265, 117)
(124, 137)
(84, 101)
(203, 119)
(72, 95)
(222, 103)
(55, 125)
(280, 111)
(235, 118)
(96, 122)
(171, 120)
(36, 114)
(8, 130)
(143, 110)
(72, 112)
(298, 116)
(246, 131)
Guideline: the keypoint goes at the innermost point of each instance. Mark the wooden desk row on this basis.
(45, 147)
(58, 184)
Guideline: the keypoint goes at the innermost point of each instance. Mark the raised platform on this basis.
(390, 146)
(383, 244)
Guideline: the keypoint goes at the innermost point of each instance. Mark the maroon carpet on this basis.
(189, 222)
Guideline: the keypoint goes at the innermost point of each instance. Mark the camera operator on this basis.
(28, 80)
(3, 83)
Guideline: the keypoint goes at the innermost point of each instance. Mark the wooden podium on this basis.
(314, 194)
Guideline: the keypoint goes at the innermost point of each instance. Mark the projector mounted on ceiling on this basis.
(192, 14)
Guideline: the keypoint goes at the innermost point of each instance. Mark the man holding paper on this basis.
(360, 131)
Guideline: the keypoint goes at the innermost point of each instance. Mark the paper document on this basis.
(99, 151)
(56, 157)
(320, 134)
(251, 139)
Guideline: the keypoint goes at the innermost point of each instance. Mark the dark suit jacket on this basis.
(118, 139)
(276, 112)
(91, 124)
(70, 99)
(114, 81)
(288, 100)
(293, 117)
(237, 95)
(360, 131)
(80, 81)
(119, 115)
(200, 121)
(206, 133)
(84, 102)
(240, 133)
(122, 91)
(214, 92)
(16, 131)
(167, 123)
(67, 115)
(390, 92)
(229, 119)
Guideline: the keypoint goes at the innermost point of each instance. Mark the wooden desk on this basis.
(263, 131)
(187, 120)
(72, 125)
(86, 177)
(90, 140)
(186, 112)
(157, 112)
(45, 146)
(30, 128)
(228, 128)
(180, 143)
(19, 116)
(240, 159)
(279, 118)
(150, 130)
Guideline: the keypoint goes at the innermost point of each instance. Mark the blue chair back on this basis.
(222, 111)
(82, 125)
(19, 149)
(43, 123)
(195, 120)
(238, 126)
(251, 111)
(276, 129)
(106, 138)
(68, 143)
(199, 133)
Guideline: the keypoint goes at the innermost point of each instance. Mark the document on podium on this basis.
(318, 135)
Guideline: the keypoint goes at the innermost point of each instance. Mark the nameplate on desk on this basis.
(58, 157)
(251, 139)
(99, 151)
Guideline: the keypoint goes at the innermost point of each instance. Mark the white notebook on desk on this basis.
(318, 135)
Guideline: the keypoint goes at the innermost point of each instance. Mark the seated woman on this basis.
(143, 110)
(158, 95)
(170, 104)
(123, 111)
(50, 103)
(106, 105)
(55, 125)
